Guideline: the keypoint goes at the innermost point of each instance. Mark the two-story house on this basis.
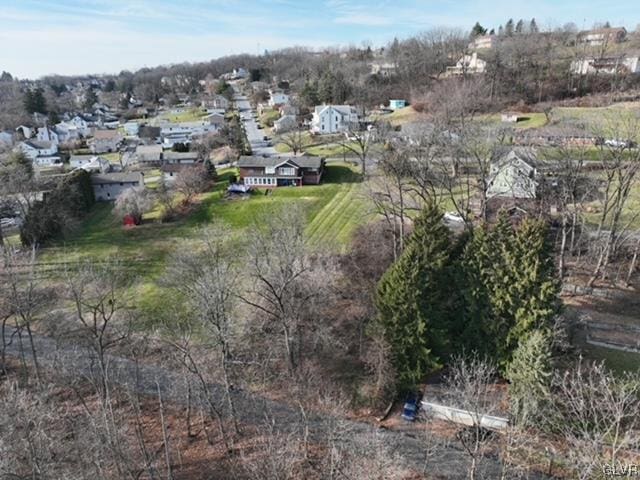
(41, 154)
(609, 65)
(514, 175)
(277, 97)
(468, 65)
(334, 119)
(46, 134)
(108, 186)
(105, 141)
(90, 163)
(272, 172)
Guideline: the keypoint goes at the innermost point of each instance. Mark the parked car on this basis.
(411, 407)
(259, 127)
(265, 138)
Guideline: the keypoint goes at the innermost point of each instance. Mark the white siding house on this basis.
(278, 97)
(513, 176)
(333, 119)
(468, 65)
(41, 154)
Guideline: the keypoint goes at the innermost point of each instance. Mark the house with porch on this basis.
(602, 36)
(272, 172)
(468, 65)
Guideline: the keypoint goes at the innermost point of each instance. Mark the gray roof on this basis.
(304, 161)
(105, 178)
(180, 155)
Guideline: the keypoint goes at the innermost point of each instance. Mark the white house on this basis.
(41, 154)
(483, 42)
(333, 118)
(285, 124)
(26, 132)
(513, 176)
(602, 36)
(45, 134)
(108, 186)
(606, 65)
(131, 129)
(468, 65)
(277, 97)
(218, 102)
(90, 163)
(384, 69)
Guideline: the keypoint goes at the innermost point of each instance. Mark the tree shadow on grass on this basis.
(340, 174)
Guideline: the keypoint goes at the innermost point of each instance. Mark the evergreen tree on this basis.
(508, 28)
(500, 31)
(6, 77)
(520, 26)
(326, 87)
(210, 168)
(90, 98)
(309, 94)
(508, 288)
(492, 31)
(533, 26)
(412, 299)
(529, 374)
(34, 101)
(478, 30)
(606, 24)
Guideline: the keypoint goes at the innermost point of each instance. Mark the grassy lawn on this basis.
(189, 115)
(268, 117)
(595, 116)
(144, 248)
(616, 360)
(333, 211)
(401, 116)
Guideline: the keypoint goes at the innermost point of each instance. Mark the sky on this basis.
(70, 37)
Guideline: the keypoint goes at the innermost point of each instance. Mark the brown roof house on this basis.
(105, 141)
(272, 172)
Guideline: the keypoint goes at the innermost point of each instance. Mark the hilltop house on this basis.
(514, 176)
(272, 172)
(108, 186)
(468, 65)
(333, 119)
(602, 36)
(384, 69)
(483, 42)
(606, 65)
(41, 154)
(104, 141)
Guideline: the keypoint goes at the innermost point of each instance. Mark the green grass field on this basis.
(189, 115)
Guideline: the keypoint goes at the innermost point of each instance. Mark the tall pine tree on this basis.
(412, 299)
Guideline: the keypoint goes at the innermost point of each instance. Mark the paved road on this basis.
(254, 134)
(445, 461)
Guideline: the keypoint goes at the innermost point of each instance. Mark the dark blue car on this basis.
(411, 407)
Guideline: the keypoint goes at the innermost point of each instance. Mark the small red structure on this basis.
(129, 221)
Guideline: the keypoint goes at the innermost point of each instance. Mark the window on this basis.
(270, 170)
